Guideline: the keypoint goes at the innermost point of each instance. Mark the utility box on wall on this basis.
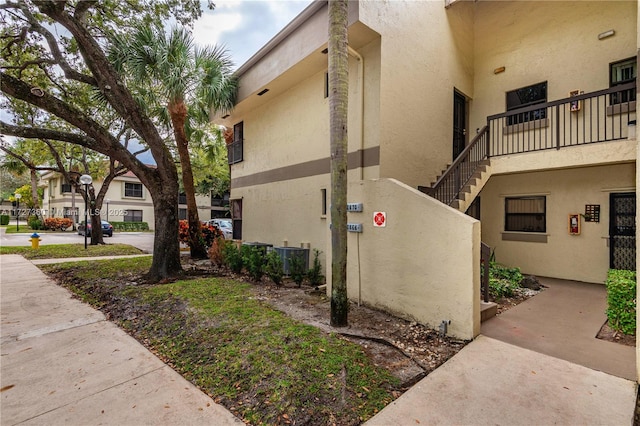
(286, 253)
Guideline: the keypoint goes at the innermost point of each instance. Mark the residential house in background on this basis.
(127, 200)
(520, 113)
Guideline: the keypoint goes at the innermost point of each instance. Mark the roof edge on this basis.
(283, 34)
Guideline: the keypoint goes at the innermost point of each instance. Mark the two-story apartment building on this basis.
(126, 200)
(533, 103)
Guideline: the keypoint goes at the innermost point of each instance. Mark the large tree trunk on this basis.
(338, 103)
(178, 113)
(161, 181)
(166, 247)
(34, 194)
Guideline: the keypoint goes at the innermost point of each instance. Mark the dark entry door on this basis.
(622, 231)
(459, 123)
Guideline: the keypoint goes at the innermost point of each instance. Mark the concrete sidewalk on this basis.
(63, 363)
(494, 383)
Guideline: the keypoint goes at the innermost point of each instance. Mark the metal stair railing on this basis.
(448, 187)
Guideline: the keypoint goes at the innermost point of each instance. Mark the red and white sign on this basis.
(379, 219)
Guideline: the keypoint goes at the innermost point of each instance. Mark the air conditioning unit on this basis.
(286, 253)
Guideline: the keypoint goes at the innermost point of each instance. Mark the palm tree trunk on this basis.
(338, 104)
(178, 113)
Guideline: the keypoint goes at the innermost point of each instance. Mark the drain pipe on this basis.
(360, 59)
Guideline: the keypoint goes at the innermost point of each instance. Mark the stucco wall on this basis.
(427, 51)
(424, 265)
(286, 154)
(583, 257)
(553, 41)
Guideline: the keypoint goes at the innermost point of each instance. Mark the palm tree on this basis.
(338, 106)
(180, 83)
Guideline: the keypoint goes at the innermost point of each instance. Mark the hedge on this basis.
(130, 226)
(621, 298)
(4, 219)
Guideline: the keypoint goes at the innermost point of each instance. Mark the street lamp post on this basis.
(86, 181)
(18, 196)
(107, 201)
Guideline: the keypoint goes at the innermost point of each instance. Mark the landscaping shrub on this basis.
(4, 219)
(315, 273)
(34, 223)
(503, 280)
(209, 233)
(130, 226)
(232, 256)
(274, 267)
(253, 259)
(621, 298)
(297, 268)
(57, 223)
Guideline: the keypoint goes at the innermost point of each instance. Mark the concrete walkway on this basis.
(538, 363)
(563, 321)
(494, 383)
(63, 363)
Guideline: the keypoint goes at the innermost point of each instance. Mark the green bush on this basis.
(34, 223)
(503, 281)
(4, 219)
(232, 257)
(253, 259)
(274, 267)
(297, 268)
(130, 226)
(621, 298)
(315, 273)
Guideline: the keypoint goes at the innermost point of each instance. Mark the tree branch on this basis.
(69, 72)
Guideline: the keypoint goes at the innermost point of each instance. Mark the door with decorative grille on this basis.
(622, 231)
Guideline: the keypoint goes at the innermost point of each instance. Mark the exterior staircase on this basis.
(462, 181)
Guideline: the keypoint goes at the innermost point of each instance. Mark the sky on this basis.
(244, 26)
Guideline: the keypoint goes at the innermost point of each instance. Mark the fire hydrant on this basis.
(35, 240)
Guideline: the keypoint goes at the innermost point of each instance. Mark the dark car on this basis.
(107, 229)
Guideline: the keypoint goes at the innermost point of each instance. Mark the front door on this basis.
(622, 231)
(459, 123)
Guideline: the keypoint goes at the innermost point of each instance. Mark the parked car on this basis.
(223, 225)
(107, 229)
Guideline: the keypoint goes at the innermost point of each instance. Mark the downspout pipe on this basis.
(360, 59)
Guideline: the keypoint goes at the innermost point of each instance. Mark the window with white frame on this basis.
(623, 72)
(133, 190)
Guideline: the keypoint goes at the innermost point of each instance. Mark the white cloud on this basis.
(244, 26)
(209, 28)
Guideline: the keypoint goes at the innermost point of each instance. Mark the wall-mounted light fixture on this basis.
(499, 70)
(226, 116)
(606, 34)
(262, 92)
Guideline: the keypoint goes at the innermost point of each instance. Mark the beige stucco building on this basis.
(538, 97)
(126, 200)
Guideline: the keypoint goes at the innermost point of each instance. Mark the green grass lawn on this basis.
(262, 365)
(58, 251)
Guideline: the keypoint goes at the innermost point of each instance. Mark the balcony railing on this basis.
(587, 118)
(578, 120)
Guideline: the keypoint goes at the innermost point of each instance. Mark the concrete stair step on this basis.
(488, 310)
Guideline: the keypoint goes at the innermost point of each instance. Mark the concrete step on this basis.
(488, 310)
